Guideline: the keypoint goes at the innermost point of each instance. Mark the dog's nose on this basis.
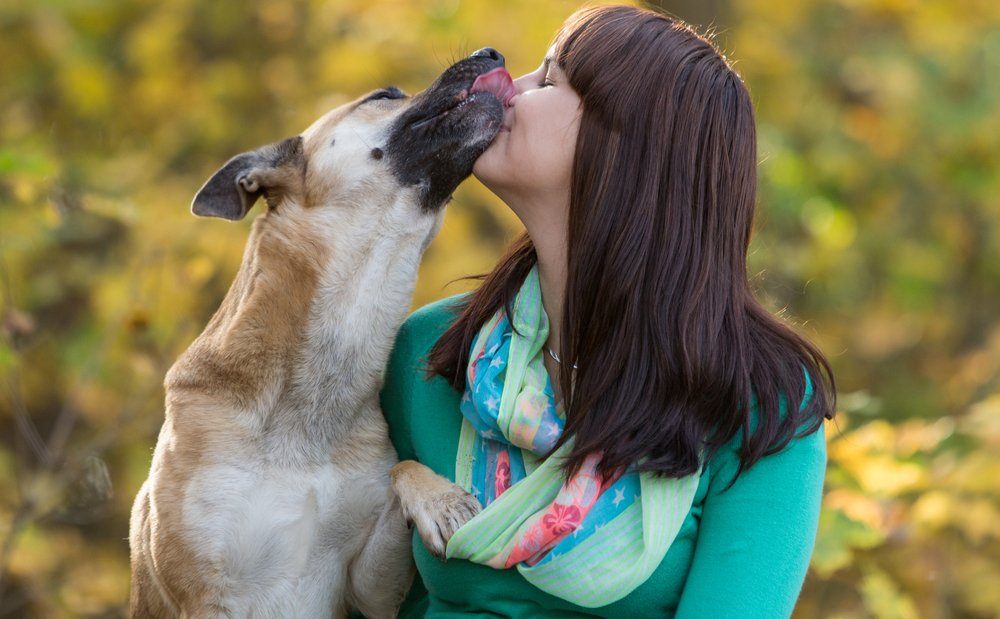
(489, 52)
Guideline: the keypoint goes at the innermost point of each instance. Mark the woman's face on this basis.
(532, 156)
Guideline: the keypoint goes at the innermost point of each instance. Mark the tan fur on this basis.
(270, 474)
(437, 506)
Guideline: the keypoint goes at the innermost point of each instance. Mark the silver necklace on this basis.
(556, 358)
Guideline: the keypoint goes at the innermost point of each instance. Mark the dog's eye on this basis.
(386, 93)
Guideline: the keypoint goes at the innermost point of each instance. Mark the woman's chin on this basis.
(484, 169)
(494, 167)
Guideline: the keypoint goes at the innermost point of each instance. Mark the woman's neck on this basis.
(552, 280)
(546, 220)
(545, 217)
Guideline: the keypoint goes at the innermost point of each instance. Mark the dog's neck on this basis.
(363, 294)
(302, 339)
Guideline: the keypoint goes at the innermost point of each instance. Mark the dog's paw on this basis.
(437, 517)
(435, 505)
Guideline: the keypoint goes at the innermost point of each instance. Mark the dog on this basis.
(269, 493)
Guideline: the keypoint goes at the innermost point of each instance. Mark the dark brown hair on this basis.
(674, 351)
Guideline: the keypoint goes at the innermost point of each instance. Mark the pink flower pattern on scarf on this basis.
(562, 517)
(502, 479)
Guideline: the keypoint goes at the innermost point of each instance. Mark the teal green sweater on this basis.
(740, 553)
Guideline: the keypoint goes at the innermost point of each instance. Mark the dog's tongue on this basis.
(497, 81)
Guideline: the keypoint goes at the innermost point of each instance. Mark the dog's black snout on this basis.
(489, 52)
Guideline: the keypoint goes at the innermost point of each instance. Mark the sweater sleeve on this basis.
(755, 539)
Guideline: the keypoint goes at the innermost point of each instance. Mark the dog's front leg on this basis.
(145, 600)
(435, 505)
(381, 574)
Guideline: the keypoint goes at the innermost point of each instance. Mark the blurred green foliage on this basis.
(878, 232)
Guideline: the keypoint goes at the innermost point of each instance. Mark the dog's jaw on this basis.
(434, 143)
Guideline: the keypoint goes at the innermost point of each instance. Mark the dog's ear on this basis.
(267, 171)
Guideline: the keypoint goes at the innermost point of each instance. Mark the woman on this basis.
(646, 439)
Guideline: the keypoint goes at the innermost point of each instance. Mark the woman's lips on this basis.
(508, 115)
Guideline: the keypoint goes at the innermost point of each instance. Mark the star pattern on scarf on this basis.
(496, 465)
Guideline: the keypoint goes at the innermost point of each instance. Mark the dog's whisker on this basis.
(444, 63)
(362, 139)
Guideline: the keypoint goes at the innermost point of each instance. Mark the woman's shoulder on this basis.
(425, 325)
(802, 455)
(804, 399)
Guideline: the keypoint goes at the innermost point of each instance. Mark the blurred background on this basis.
(878, 235)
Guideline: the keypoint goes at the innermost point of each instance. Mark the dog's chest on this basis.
(271, 531)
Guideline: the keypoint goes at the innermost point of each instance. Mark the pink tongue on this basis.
(497, 81)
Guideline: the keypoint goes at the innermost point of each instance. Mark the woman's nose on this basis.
(523, 83)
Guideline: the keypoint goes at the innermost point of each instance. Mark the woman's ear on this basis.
(234, 188)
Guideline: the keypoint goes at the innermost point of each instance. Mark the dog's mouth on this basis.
(437, 138)
(495, 84)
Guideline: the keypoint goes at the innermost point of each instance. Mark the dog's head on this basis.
(385, 148)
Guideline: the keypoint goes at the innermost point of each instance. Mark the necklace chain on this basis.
(556, 358)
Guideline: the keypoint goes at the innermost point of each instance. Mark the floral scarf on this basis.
(588, 542)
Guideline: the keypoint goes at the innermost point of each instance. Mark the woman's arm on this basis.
(755, 539)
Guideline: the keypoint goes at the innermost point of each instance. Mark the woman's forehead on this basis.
(549, 61)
